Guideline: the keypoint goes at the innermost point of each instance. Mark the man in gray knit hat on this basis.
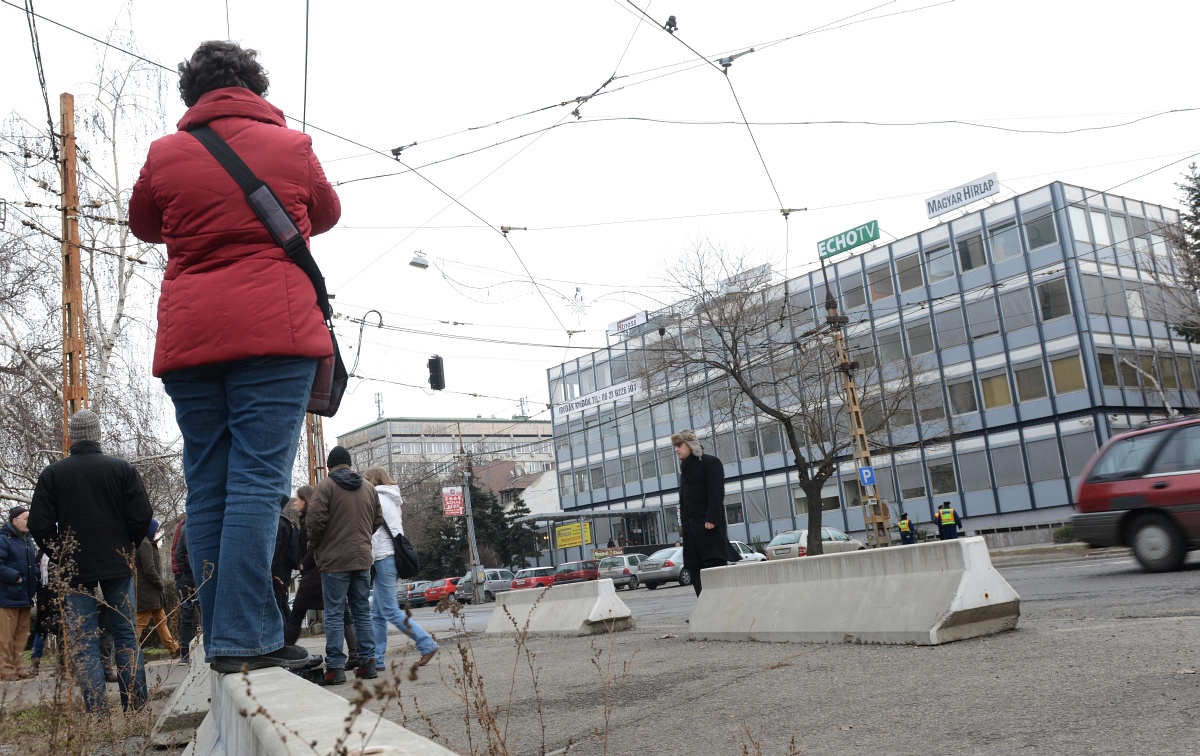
(89, 512)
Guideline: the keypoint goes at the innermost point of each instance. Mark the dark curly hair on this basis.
(217, 64)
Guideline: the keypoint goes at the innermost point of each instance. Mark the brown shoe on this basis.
(425, 658)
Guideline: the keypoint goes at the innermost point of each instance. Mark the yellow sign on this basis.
(568, 535)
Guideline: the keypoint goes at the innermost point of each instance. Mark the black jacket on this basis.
(180, 557)
(100, 501)
(701, 500)
(149, 577)
(18, 569)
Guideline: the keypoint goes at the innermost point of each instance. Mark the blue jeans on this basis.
(241, 424)
(84, 635)
(337, 588)
(385, 608)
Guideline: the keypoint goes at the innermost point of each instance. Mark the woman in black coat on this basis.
(702, 508)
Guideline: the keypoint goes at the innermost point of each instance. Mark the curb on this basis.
(1026, 560)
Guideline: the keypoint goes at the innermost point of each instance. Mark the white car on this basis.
(748, 554)
(794, 543)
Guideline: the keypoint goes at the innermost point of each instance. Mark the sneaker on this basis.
(366, 671)
(425, 658)
(287, 657)
(334, 677)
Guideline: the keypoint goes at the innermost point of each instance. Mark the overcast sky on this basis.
(612, 197)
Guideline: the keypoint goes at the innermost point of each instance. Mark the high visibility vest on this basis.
(904, 525)
(947, 516)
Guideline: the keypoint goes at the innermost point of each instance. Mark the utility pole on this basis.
(74, 368)
(315, 441)
(473, 549)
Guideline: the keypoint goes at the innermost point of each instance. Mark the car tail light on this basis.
(625, 571)
(668, 563)
(801, 551)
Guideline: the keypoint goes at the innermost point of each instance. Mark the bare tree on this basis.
(736, 337)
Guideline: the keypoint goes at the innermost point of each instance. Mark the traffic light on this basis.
(437, 377)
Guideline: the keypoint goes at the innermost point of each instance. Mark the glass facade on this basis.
(1037, 320)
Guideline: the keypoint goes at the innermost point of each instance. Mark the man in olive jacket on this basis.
(701, 508)
(341, 518)
(89, 512)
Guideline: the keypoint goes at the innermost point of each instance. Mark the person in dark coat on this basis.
(185, 584)
(947, 521)
(702, 508)
(89, 512)
(18, 586)
(150, 588)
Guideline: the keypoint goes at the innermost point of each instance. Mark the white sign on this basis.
(452, 501)
(611, 394)
(621, 326)
(962, 195)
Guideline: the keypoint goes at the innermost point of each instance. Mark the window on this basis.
(1006, 241)
(1043, 460)
(1181, 452)
(723, 447)
(881, 283)
(1127, 456)
(629, 466)
(1108, 370)
(908, 272)
(1031, 383)
(1120, 232)
(596, 475)
(941, 477)
(566, 484)
(1079, 224)
(1114, 296)
(1078, 449)
(608, 423)
(950, 329)
(667, 461)
(1007, 464)
(747, 444)
(1039, 228)
(912, 480)
(1068, 374)
(646, 463)
(1100, 227)
(970, 252)
(1018, 309)
(733, 514)
(982, 317)
(861, 351)
(772, 441)
(1130, 377)
(939, 263)
(974, 469)
(962, 397)
(920, 338)
(1133, 298)
(612, 473)
(852, 292)
(1166, 369)
(1187, 379)
(995, 391)
(1093, 295)
(828, 503)
(756, 505)
(582, 482)
(930, 406)
(891, 347)
(1053, 300)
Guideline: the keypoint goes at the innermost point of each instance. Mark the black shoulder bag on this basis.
(407, 563)
(329, 384)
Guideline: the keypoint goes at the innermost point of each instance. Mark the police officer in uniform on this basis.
(947, 522)
(906, 529)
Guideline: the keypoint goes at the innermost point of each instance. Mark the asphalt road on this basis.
(1104, 661)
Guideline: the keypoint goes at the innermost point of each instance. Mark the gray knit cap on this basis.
(84, 425)
(688, 437)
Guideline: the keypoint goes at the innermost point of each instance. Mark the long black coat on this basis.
(18, 569)
(701, 500)
(101, 501)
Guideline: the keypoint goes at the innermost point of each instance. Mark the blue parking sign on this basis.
(866, 476)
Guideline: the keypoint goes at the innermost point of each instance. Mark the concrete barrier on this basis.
(187, 706)
(271, 712)
(573, 609)
(925, 594)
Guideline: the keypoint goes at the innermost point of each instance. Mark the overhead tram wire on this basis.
(41, 74)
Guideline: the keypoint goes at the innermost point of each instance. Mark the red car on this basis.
(440, 589)
(577, 572)
(534, 577)
(1142, 490)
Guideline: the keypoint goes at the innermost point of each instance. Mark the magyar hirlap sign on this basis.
(864, 234)
(962, 195)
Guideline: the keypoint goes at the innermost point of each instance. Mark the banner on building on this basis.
(614, 392)
(452, 501)
(972, 191)
(628, 324)
(566, 536)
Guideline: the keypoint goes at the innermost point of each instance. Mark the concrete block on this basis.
(924, 594)
(573, 609)
(187, 706)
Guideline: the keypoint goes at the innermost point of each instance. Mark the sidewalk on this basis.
(1049, 553)
(161, 679)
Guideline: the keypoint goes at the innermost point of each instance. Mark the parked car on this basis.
(623, 569)
(576, 572)
(440, 589)
(1142, 490)
(664, 566)
(412, 594)
(533, 577)
(794, 543)
(748, 554)
(494, 581)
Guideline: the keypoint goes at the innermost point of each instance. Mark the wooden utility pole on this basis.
(74, 368)
(315, 441)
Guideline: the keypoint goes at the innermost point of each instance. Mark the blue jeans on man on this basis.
(83, 639)
(338, 588)
(385, 608)
(241, 425)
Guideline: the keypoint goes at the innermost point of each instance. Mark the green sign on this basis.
(864, 234)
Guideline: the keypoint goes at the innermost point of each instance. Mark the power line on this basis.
(41, 74)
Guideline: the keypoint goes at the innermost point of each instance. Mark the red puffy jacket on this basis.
(229, 291)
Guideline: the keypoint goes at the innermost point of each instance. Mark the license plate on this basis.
(777, 552)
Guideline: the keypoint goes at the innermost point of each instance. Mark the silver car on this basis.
(494, 581)
(794, 543)
(665, 566)
(412, 593)
(623, 569)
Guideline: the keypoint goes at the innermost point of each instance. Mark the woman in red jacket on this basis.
(239, 337)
